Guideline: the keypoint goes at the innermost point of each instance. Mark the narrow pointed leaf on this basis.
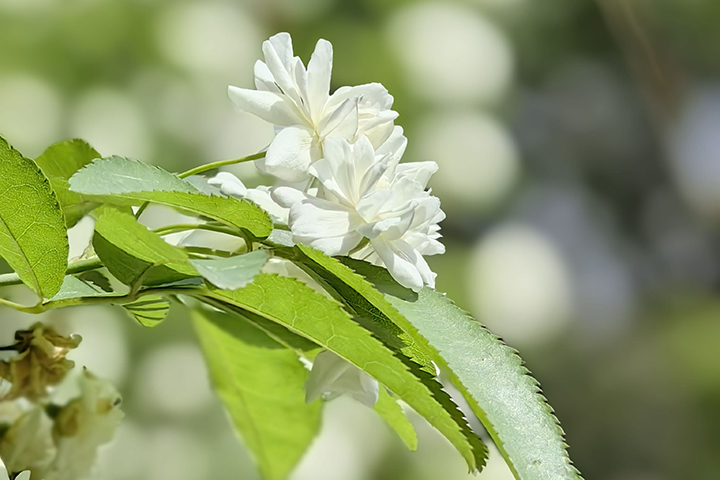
(378, 315)
(60, 162)
(490, 375)
(261, 384)
(294, 305)
(390, 410)
(124, 181)
(33, 238)
(149, 311)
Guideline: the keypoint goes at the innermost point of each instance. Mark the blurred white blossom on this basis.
(331, 376)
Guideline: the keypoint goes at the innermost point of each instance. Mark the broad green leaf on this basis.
(490, 375)
(124, 181)
(33, 238)
(132, 253)
(296, 306)
(149, 310)
(374, 312)
(261, 384)
(391, 411)
(232, 272)
(59, 162)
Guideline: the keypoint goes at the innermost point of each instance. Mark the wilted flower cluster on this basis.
(54, 442)
(341, 187)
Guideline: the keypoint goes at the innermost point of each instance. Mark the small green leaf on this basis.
(149, 311)
(131, 252)
(97, 279)
(33, 238)
(59, 162)
(492, 378)
(294, 305)
(261, 384)
(391, 411)
(123, 181)
(232, 272)
(73, 287)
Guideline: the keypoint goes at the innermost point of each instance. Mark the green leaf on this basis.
(33, 238)
(124, 181)
(261, 384)
(59, 162)
(374, 312)
(132, 253)
(149, 311)
(232, 272)
(73, 287)
(294, 305)
(492, 378)
(391, 411)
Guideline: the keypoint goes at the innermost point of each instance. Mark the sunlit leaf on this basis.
(294, 305)
(261, 384)
(125, 181)
(33, 238)
(391, 411)
(490, 375)
(59, 162)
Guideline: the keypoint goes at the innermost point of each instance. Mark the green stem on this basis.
(221, 163)
(183, 227)
(78, 266)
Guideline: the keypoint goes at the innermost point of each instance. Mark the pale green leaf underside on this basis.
(291, 303)
(59, 162)
(33, 239)
(391, 411)
(491, 377)
(149, 311)
(232, 272)
(261, 384)
(129, 182)
(73, 287)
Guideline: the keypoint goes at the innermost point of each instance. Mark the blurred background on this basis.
(579, 152)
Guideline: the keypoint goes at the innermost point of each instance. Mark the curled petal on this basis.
(332, 376)
(269, 106)
(329, 227)
(290, 154)
(318, 77)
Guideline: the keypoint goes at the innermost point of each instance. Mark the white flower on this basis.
(230, 185)
(364, 195)
(28, 444)
(82, 426)
(298, 102)
(331, 376)
(4, 473)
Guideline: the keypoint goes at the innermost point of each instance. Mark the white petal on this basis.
(261, 197)
(287, 196)
(418, 171)
(326, 226)
(282, 44)
(402, 269)
(290, 154)
(332, 376)
(264, 79)
(341, 121)
(318, 77)
(229, 184)
(278, 57)
(269, 106)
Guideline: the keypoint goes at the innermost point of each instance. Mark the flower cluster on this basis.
(341, 187)
(54, 442)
